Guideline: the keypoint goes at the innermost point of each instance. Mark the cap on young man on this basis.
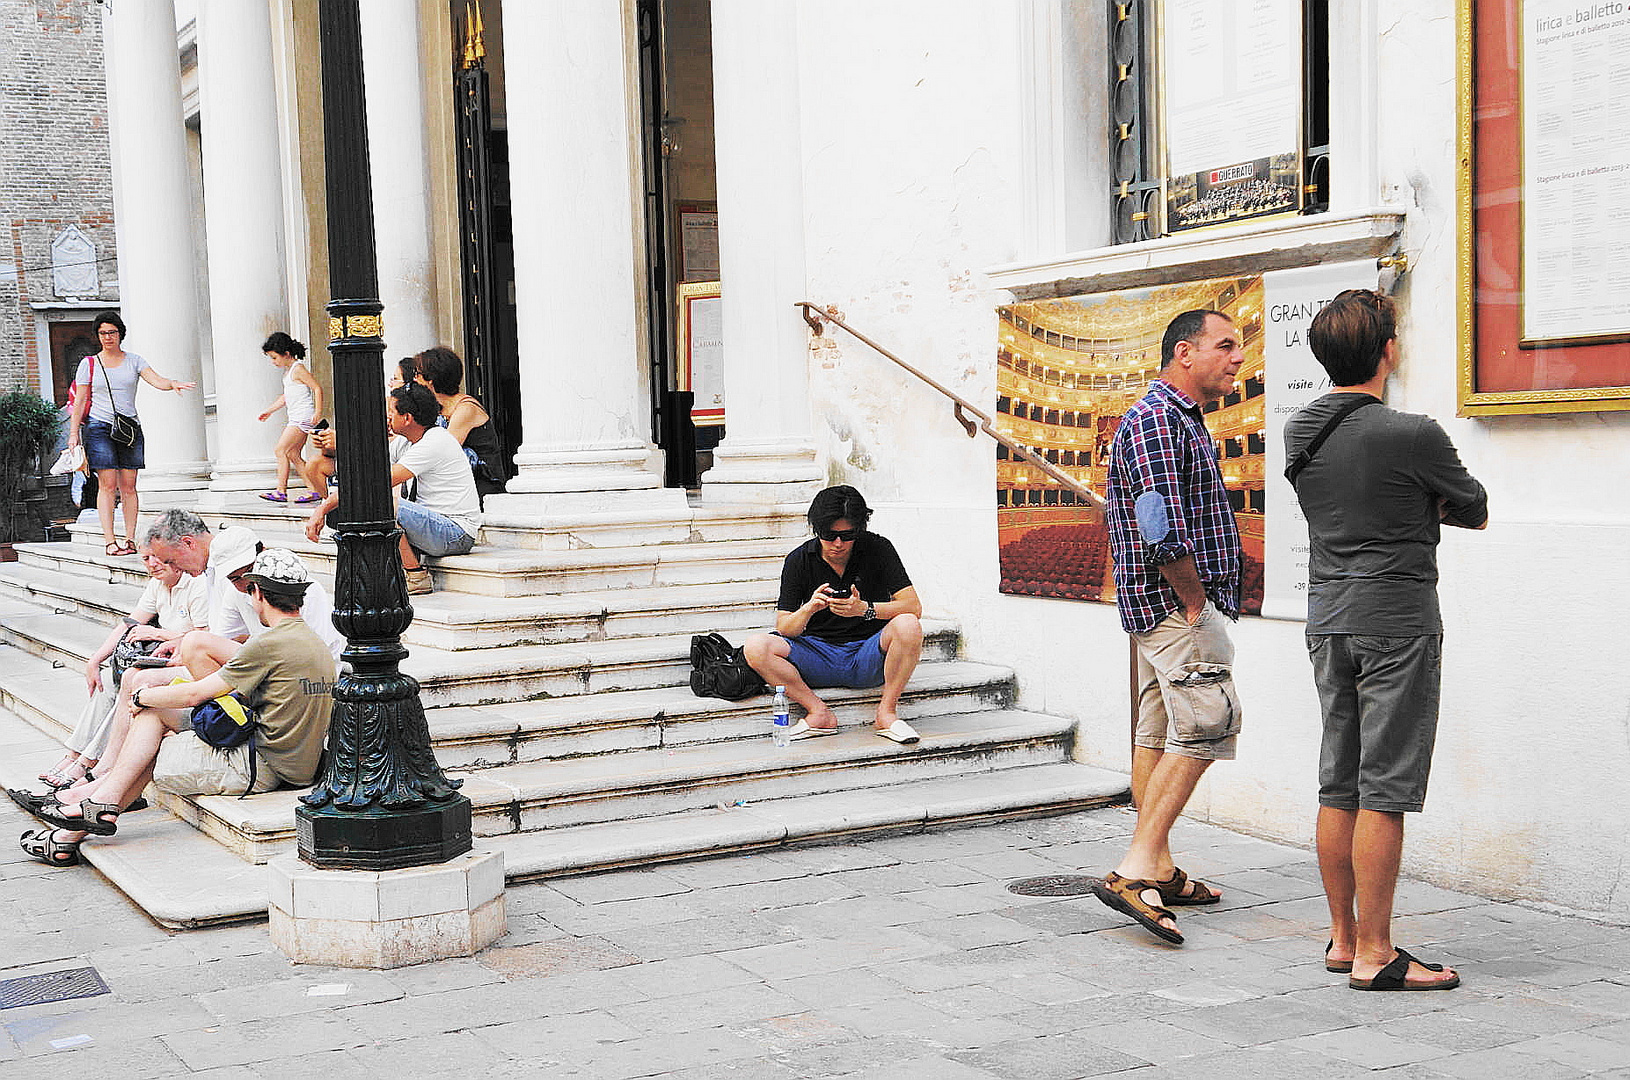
(279, 570)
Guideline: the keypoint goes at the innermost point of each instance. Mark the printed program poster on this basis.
(1231, 78)
(1294, 378)
(1576, 165)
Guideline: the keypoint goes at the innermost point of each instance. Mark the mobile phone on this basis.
(837, 593)
(321, 425)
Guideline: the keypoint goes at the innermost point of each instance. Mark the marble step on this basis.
(51, 694)
(616, 528)
(458, 621)
(184, 879)
(550, 795)
(505, 674)
(505, 571)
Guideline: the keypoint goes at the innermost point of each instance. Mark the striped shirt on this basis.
(1162, 445)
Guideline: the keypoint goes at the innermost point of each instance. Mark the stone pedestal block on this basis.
(386, 919)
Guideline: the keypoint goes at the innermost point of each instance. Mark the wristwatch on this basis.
(871, 611)
(135, 698)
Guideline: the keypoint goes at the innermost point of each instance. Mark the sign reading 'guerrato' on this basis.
(1576, 165)
(1231, 86)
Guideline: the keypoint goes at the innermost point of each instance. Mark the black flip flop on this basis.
(1341, 967)
(1395, 976)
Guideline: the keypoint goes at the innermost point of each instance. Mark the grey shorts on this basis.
(1380, 701)
(1186, 699)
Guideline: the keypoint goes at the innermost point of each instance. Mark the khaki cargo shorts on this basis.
(1187, 703)
(187, 765)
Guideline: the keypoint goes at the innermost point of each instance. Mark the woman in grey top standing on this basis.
(105, 385)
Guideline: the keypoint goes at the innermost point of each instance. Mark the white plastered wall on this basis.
(917, 130)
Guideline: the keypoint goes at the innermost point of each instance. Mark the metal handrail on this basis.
(815, 316)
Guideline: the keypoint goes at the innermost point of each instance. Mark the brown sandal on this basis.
(1172, 891)
(1125, 895)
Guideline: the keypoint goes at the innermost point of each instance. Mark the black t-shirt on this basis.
(874, 568)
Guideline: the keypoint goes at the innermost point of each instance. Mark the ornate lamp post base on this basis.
(384, 839)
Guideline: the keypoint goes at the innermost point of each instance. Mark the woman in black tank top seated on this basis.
(442, 372)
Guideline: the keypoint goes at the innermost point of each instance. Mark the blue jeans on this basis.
(430, 532)
(101, 452)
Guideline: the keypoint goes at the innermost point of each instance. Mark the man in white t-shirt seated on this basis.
(440, 512)
(220, 559)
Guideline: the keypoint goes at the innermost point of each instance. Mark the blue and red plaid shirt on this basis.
(1162, 445)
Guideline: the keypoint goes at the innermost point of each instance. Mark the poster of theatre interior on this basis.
(1231, 92)
(1067, 371)
(1575, 167)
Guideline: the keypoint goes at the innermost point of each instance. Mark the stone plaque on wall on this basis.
(73, 264)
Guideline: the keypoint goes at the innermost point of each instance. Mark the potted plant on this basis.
(28, 428)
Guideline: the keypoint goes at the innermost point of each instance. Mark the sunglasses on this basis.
(846, 535)
(237, 581)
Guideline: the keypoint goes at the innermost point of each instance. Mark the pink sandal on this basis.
(275, 496)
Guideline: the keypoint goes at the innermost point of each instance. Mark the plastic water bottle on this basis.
(782, 729)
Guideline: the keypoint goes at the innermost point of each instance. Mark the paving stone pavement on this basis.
(895, 958)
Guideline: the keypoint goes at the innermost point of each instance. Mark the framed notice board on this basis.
(1544, 282)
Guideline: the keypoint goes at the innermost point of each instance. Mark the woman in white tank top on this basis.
(303, 398)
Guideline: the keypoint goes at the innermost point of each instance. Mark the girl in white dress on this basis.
(303, 398)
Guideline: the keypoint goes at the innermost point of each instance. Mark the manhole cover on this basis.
(1054, 885)
(51, 986)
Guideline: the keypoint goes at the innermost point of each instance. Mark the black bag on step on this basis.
(717, 669)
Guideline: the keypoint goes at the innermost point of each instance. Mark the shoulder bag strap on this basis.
(1305, 454)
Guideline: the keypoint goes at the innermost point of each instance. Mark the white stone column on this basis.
(399, 160)
(153, 215)
(572, 166)
(768, 454)
(243, 226)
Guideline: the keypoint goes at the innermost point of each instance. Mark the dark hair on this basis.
(287, 603)
(442, 368)
(407, 369)
(112, 319)
(1350, 335)
(282, 343)
(1186, 327)
(841, 503)
(415, 401)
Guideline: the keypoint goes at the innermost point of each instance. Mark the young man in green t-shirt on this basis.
(284, 675)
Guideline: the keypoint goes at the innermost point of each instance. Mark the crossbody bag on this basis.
(125, 429)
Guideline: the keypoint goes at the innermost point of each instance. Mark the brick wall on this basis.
(54, 165)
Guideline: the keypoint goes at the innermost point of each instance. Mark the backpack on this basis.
(226, 723)
(719, 670)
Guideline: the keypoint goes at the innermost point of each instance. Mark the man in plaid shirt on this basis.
(1177, 576)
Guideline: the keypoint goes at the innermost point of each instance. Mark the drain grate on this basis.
(51, 986)
(1054, 885)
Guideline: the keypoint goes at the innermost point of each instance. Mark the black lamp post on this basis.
(382, 802)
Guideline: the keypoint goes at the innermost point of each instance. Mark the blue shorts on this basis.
(430, 532)
(101, 452)
(856, 664)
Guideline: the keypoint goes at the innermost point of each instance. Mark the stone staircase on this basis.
(553, 662)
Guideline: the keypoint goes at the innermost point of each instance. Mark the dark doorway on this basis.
(486, 226)
(678, 184)
(71, 342)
